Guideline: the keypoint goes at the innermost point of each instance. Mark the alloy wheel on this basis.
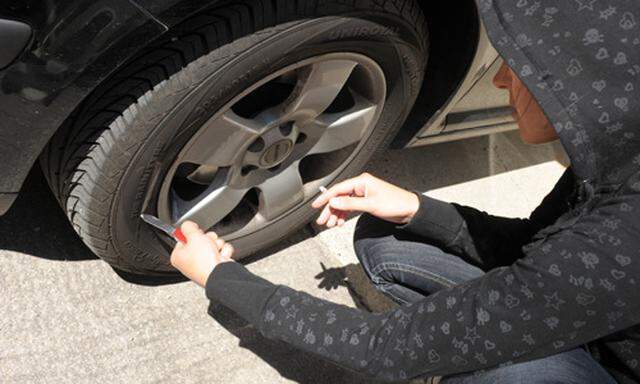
(270, 149)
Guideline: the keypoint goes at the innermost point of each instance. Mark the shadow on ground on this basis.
(36, 225)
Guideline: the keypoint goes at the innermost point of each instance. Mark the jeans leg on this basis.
(572, 367)
(403, 266)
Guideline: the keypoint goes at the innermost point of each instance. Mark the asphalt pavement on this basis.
(67, 317)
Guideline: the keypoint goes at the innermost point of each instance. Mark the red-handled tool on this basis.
(170, 230)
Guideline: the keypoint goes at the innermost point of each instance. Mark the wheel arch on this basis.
(450, 24)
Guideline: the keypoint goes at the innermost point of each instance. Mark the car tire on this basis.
(104, 164)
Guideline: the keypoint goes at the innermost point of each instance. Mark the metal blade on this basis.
(159, 224)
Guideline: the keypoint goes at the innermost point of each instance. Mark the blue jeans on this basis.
(406, 268)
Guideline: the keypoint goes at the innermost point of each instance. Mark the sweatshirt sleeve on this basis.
(483, 239)
(568, 290)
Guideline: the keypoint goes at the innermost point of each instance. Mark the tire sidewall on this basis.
(209, 83)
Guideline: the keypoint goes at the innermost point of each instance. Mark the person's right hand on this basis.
(369, 194)
(201, 254)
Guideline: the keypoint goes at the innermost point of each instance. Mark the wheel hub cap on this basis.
(276, 153)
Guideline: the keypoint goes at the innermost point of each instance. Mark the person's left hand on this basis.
(202, 253)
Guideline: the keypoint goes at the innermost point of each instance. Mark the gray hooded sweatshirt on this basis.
(573, 281)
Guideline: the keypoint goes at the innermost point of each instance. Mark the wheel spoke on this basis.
(281, 193)
(217, 203)
(318, 88)
(221, 140)
(343, 129)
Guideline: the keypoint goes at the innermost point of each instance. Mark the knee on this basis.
(369, 232)
(371, 240)
(368, 226)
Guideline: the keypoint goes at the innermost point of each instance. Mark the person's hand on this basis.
(202, 253)
(369, 194)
